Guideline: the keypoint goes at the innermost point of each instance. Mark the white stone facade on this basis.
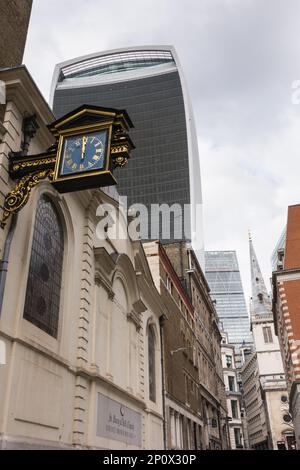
(233, 395)
(265, 389)
(57, 392)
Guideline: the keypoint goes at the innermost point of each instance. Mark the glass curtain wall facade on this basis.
(164, 168)
(278, 253)
(224, 279)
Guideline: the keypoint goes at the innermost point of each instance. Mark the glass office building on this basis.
(224, 279)
(278, 253)
(164, 168)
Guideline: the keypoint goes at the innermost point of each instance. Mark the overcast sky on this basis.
(240, 58)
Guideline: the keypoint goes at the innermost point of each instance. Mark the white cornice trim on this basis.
(292, 276)
(19, 81)
(23, 92)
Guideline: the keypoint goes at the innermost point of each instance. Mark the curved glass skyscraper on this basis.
(164, 169)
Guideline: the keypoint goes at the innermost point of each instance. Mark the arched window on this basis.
(45, 269)
(151, 364)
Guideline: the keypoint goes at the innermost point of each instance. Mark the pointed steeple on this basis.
(260, 300)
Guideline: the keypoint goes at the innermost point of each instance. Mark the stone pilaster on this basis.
(11, 142)
(141, 372)
(83, 340)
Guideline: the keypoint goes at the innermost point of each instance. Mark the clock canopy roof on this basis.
(89, 114)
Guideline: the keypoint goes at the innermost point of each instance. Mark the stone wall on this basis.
(14, 21)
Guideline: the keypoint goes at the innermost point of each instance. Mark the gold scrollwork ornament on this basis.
(18, 197)
(120, 161)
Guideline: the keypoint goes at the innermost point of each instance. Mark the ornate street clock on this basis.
(90, 142)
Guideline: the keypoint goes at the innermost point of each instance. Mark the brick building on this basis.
(286, 311)
(14, 21)
(195, 394)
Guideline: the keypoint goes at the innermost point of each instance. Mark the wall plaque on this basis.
(118, 422)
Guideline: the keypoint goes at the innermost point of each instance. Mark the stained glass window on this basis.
(45, 270)
(151, 360)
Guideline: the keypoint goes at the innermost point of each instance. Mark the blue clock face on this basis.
(83, 153)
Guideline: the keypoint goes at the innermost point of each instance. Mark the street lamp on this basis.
(181, 349)
(177, 350)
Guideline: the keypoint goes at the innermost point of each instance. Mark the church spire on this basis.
(260, 300)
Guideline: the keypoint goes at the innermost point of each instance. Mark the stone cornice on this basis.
(104, 268)
(89, 375)
(20, 84)
(104, 261)
(150, 293)
(135, 318)
(22, 90)
(139, 306)
(287, 275)
(100, 281)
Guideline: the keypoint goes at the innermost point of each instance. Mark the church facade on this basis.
(79, 321)
(264, 384)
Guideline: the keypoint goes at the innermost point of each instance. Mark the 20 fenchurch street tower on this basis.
(148, 82)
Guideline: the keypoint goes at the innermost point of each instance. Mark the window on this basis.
(173, 428)
(214, 422)
(234, 409)
(188, 432)
(231, 383)
(267, 332)
(151, 364)
(169, 284)
(228, 361)
(186, 386)
(176, 429)
(45, 269)
(237, 437)
(195, 357)
(284, 398)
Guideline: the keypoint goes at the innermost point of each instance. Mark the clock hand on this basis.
(84, 142)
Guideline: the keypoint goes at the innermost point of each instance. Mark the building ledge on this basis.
(234, 393)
